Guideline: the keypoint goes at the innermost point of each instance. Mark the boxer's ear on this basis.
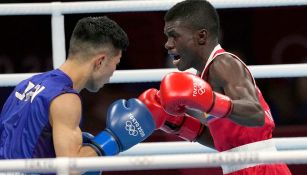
(202, 36)
(98, 60)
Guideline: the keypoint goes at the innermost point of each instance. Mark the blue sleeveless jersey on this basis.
(25, 131)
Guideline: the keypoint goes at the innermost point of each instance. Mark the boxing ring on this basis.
(150, 156)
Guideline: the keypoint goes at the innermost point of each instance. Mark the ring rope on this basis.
(183, 147)
(152, 162)
(156, 75)
(128, 6)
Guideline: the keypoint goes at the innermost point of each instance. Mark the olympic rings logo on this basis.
(131, 128)
(201, 90)
(198, 89)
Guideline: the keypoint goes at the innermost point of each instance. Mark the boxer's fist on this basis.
(182, 90)
(128, 123)
(151, 99)
(186, 127)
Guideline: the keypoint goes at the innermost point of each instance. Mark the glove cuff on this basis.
(106, 143)
(222, 106)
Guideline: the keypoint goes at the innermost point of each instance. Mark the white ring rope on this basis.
(187, 155)
(124, 163)
(156, 75)
(183, 147)
(128, 6)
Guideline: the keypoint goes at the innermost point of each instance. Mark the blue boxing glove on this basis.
(87, 141)
(87, 137)
(128, 123)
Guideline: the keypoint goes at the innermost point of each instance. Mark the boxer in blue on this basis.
(42, 115)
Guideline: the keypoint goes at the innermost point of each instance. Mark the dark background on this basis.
(274, 35)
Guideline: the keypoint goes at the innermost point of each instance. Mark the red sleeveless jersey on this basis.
(227, 134)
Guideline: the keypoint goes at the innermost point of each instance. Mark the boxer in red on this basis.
(224, 91)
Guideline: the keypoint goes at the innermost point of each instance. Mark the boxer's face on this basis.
(181, 44)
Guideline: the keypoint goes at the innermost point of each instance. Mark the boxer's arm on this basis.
(232, 77)
(64, 117)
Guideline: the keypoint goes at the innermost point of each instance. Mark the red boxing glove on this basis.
(186, 127)
(180, 90)
(152, 100)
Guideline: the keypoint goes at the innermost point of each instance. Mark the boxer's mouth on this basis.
(176, 58)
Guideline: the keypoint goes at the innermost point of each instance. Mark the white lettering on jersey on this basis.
(30, 92)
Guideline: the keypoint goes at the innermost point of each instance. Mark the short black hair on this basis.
(198, 14)
(96, 32)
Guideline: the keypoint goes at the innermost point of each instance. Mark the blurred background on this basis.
(272, 35)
